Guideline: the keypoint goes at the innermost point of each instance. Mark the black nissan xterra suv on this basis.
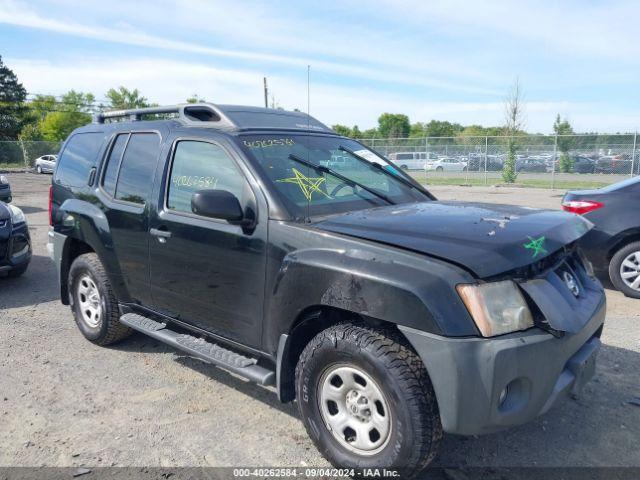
(229, 233)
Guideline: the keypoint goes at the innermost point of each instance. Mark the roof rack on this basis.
(193, 114)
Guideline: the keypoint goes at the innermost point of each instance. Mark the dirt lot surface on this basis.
(66, 402)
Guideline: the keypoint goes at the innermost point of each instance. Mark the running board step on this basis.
(197, 347)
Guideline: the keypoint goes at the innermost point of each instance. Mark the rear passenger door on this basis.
(126, 184)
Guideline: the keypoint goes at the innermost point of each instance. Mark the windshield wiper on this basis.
(347, 180)
(379, 167)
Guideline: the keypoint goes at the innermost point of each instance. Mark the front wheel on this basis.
(439, 169)
(366, 400)
(624, 270)
(39, 169)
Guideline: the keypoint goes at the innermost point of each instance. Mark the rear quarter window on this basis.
(135, 178)
(78, 157)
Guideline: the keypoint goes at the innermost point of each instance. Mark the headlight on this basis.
(496, 308)
(3, 180)
(17, 216)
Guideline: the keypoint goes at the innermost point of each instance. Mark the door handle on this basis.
(161, 234)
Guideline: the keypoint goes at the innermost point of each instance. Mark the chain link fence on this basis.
(22, 155)
(571, 161)
(578, 161)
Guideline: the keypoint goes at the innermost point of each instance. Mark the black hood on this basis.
(487, 239)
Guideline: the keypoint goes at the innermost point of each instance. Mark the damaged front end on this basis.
(566, 293)
(487, 384)
(561, 290)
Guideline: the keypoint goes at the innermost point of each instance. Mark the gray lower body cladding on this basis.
(470, 375)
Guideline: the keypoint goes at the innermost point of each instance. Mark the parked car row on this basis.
(475, 162)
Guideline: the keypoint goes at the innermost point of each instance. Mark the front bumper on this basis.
(470, 374)
(15, 249)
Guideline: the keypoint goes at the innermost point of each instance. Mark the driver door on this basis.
(204, 271)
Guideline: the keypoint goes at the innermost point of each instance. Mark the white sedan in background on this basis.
(46, 163)
(447, 164)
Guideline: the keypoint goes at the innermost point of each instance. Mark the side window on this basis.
(201, 166)
(113, 162)
(137, 168)
(78, 158)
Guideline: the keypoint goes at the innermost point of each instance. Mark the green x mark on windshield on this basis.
(536, 245)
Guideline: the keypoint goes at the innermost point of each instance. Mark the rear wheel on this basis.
(624, 270)
(366, 400)
(93, 302)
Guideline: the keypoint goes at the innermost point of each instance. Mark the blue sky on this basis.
(447, 60)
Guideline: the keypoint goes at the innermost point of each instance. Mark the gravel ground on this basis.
(66, 402)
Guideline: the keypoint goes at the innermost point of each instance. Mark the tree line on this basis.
(51, 118)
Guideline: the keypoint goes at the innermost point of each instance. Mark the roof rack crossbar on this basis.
(193, 114)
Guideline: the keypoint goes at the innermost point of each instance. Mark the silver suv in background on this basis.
(411, 160)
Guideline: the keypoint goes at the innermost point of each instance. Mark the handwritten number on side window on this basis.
(195, 181)
(269, 142)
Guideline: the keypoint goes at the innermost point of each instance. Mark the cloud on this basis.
(18, 14)
(449, 60)
(590, 29)
(329, 103)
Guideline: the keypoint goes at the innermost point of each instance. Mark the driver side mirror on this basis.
(217, 204)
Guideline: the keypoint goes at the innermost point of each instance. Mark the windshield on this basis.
(288, 160)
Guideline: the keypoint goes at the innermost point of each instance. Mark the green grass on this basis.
(532, 183)
(12, 166)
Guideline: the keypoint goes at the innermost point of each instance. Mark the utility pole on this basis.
(266, 93)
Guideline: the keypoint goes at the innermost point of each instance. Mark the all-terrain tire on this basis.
(108, 329)
(397, 370)
(616, 264)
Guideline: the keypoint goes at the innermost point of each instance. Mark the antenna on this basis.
(266, 93)
(308, 94)
(308, 131)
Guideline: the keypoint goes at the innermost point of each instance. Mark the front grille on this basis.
(552, 261)
(4, 246)
(4, 186)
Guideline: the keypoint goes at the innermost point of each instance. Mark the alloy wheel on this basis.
(630, 271)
